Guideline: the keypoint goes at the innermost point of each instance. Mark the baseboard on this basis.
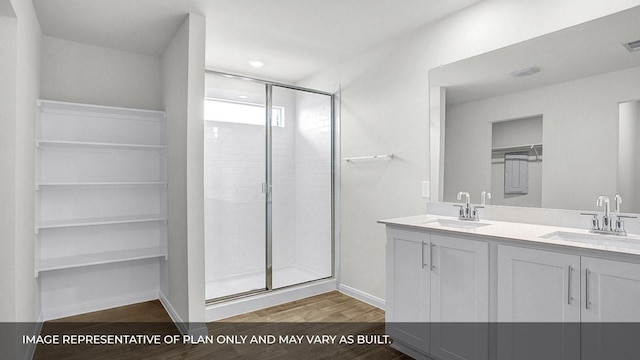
(408, 350)
(362, 296)
(97, 305)
(31, 350)
(183, 327)
(264, 300)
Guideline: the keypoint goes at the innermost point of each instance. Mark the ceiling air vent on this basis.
(525, 72)
(632, 46)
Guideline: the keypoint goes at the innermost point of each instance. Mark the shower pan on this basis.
(269, 151)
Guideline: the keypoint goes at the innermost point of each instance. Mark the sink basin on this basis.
(595, 239)
(455, 224)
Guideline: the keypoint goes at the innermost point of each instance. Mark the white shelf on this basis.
(99, 221)
(99, 145)
(105, 184)
(62, 107)
(107, 257)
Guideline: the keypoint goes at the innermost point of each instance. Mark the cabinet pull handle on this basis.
(422, 253)
(587, 301)
(569, 297)
(433, 266)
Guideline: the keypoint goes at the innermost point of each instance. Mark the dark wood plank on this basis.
(328, 313)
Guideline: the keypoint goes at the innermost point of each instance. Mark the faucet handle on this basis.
(626, 216)
(595, 222)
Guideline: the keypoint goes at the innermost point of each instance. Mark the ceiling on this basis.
(294, 38)
(591, 48)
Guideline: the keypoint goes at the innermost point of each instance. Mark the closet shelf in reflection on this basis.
(107, 257)
(99, 145)
(523, 147)
(99, 221)
(499, 152)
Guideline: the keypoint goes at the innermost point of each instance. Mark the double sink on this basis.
(628, 242)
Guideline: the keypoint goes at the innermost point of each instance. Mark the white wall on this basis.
(579, 133)
(385, 109)
(8, 30)
(19, 86)
(27, 92)
(89, 74)
(183, 70)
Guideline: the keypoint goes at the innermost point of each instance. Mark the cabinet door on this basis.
(538, 304)
(459, 298)
(610, 309)
(407, 303)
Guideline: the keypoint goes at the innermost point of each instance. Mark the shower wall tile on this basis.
(313, 183)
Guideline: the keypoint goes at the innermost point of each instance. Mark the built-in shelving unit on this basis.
(101, 189)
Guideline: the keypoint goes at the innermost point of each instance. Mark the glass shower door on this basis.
(301, 177)
(234, 180)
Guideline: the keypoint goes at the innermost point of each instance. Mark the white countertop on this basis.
(525, 232)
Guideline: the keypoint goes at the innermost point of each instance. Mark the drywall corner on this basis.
(183, 75)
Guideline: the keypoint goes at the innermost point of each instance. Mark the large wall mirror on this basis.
(551, 122)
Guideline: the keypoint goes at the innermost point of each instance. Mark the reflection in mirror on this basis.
(516, 162)
(585, 72)
(629, 155)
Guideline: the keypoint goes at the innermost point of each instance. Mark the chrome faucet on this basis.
(466, 195)
(606, 226)
(467, 212)
(603, 201)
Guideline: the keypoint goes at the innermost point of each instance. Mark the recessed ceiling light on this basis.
(256, 63)
(242, 96)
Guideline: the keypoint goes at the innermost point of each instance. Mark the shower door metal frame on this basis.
(269, 185)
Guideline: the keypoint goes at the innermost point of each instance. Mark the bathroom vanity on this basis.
(474, 289)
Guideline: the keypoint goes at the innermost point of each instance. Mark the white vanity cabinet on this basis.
(436, 287)
(408, 284)
(582, 300)
(610, 296)
(537, 286)
(476, 293)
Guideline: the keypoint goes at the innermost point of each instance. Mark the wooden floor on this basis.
(328, 314)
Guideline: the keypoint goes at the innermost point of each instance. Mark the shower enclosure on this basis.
(268, 186)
